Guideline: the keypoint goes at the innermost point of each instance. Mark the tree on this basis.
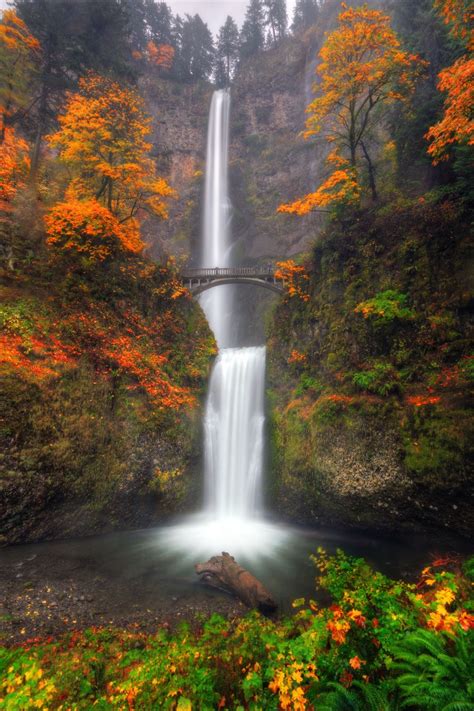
(305, 14)
(276, 18)
(161, 55)
(159, 20)
(19, 51)
(87, 229)
(425, 34)
(14, 167)
(196, 52)
(457, 125)
(102, 139)
(75, 37)
(363, 70)
(252, 35)
(227, 52)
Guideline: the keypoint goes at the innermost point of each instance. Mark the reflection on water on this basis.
(161, 560)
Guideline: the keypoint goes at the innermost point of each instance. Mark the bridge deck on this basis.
(199, 279)
(204, 272)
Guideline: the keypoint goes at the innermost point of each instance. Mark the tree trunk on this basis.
(371, 170)
(35, 157)
(224, 573)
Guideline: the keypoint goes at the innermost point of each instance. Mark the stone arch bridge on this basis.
(201, 279)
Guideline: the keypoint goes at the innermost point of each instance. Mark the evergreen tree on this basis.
(276, 19)
(423, 33)
(305, 14)
(227, 52)
(192, 39)
(252, 36)
(159, 19)
(137, 22)
(74, 37)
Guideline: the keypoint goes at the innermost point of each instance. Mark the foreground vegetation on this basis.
(381, 644)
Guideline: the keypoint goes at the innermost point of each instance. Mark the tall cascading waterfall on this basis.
(234, 418)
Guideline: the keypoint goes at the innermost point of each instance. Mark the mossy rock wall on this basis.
(371, 424)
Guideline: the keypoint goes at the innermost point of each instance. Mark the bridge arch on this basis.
(202, 279)
(236, 280)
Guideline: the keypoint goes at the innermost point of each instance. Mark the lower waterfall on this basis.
(233, 434)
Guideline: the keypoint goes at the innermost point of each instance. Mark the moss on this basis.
(406, 260)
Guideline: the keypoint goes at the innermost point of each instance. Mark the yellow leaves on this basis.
(445, 596)
(19, 51)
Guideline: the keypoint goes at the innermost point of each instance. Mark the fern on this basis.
(435, 674)
(360, 697)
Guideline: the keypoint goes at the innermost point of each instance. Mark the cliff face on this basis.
(370, 378)
(180, 114)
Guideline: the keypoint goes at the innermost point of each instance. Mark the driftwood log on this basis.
(224, 573)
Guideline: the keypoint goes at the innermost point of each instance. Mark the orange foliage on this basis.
(18, 52)
(161, 55)
(294, 277)
(457, 81)
(297, 357)
(149, 373)
(50, 355)
(459, 14)
(87, 228)
(14, 167)
(341, 186)
(363, 69)
(111, 340)
(457, 124)
(421, 400)
(102, 138)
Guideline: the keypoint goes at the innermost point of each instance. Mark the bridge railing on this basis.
(203, 272)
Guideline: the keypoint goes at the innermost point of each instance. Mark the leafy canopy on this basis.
(102, 139)
(457, 81)
(363, 70)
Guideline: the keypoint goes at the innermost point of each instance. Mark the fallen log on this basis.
(224, 573)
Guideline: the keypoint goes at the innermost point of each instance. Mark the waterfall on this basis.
(233, 431)
(216, 244)
(234, 418)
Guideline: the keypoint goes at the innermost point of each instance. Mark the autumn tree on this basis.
(19, 51)
(160, 56)
(456, 127)
(102, 139)
(362, 71)
(227, 52)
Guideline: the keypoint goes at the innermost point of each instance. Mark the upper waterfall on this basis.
(216, 236)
